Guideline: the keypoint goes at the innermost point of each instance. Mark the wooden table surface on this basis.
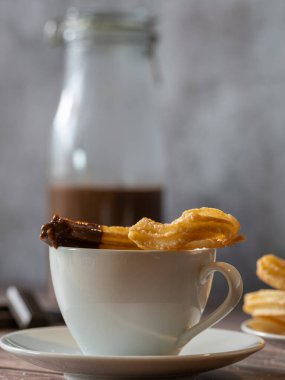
(267, 364)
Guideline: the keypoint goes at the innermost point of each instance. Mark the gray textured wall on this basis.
(222, 104)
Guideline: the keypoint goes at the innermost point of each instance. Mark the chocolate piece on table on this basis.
(24, 308)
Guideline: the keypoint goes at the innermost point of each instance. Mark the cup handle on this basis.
(235, 290)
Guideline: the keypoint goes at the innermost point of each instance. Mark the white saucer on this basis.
(54, 348)
(273, 338)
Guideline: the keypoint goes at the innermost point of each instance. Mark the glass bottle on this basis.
(106, 156)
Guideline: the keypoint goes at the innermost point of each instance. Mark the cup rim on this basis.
(129, 251)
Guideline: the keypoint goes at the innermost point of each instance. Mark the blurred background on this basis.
(220, 107)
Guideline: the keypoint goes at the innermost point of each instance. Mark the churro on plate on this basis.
(267, 306)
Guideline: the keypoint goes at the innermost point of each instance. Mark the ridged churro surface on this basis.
(271, 270)
(197, 228)
(265, 302)
(267, 306)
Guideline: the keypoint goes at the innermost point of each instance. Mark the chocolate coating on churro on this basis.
(69, 233)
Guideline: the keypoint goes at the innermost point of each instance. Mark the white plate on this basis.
(273, 338)
(54, 348)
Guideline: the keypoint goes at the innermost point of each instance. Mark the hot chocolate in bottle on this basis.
(106, 161)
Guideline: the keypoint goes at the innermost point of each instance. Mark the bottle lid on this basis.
(102, 27)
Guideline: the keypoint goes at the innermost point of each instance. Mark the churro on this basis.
(266, 303)
(271, 270)
(197, 228)
(69, 233)
(271, 325)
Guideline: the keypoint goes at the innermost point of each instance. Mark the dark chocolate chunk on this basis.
(69, 233)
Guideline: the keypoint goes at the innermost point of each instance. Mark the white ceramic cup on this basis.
(138, 302)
